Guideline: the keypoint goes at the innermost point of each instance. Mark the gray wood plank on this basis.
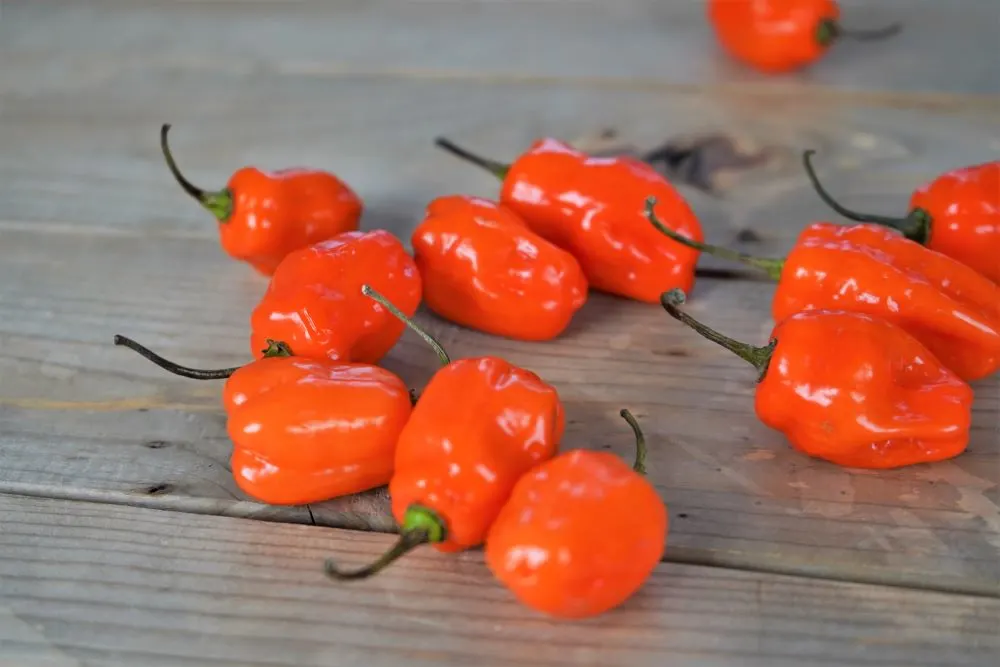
(102, 585)
(81, 418)
(84, 194)
(943, 49)
(88, 155)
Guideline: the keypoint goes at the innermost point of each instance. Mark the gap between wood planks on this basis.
(295, 515)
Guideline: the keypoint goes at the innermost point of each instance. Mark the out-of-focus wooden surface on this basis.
(95, 239)
(97, 584)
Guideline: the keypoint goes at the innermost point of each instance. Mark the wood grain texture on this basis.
(79, 416)
(96, 240)
(940, 51)
(88, 155)
(96, 585)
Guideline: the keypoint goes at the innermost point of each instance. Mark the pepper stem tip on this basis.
(640, 442)
(830, 30)
(173, 367)
(219, 204)
(498, 169)
(915, 226)
(373, 294)
(772, 267)
(758, 357)
(421, 525)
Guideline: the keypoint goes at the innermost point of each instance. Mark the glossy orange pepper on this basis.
(852, 389)
(263, 216)
(777, 36)
(947, 306)
(958, 214)
(314, 302)
(483, 268)
(592, 207)
(580, 533)
(479, 425)
(305, 430)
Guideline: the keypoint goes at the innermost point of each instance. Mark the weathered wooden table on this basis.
(123, 540)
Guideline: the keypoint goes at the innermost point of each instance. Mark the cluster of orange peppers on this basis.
(880, 326)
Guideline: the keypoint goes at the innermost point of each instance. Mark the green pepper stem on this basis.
(219, 204)
(498, 169)
(421, 525)
(772, 267)
(274, 349)
(640, 442)
(370, 292)
(830, 30)
(758, 357)
(915, 226)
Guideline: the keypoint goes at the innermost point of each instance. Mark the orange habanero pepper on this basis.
(483, 268)
(580, 533)
(776, 36)
(958, 214)
(947, 306)
(592, 207)
(265, 215)
(315, 305)
(852, 389)
(479, 425)
(305, 430)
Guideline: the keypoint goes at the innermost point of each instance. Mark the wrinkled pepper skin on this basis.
(264, 215)
(315, 305)
(305, 431)
(578, 536)
(860, 392)
(277, 212)
(953, 310)
(593, 208)
(962, 210)
(479, 425)
(483, 268)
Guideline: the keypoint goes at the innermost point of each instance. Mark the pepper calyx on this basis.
(218, 203)
(827, 31)
(276, 348)
(919, 229)
(420, 525)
